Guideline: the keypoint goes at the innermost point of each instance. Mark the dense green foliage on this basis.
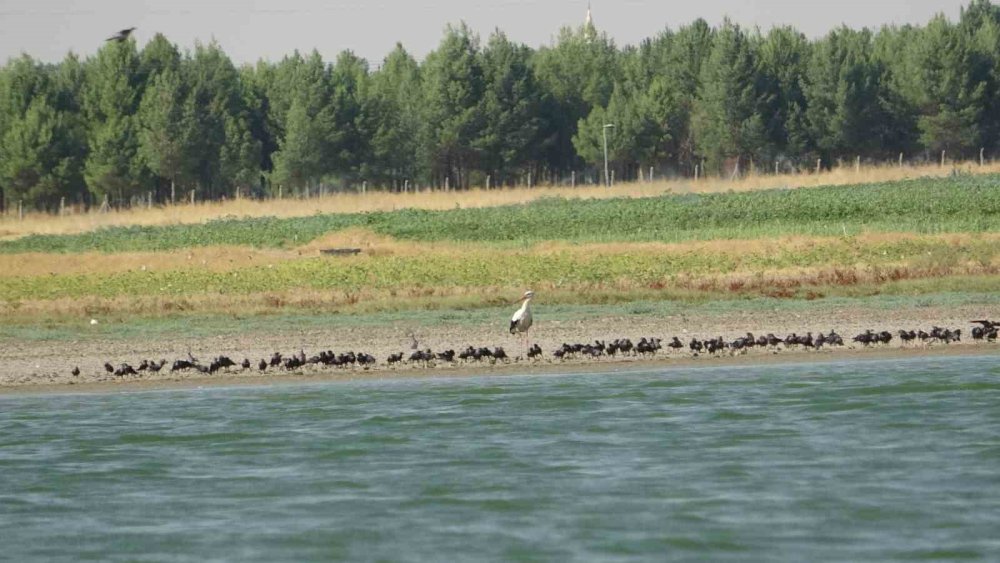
(129, 121)
(958, 204)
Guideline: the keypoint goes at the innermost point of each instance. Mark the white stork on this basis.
(521, 321)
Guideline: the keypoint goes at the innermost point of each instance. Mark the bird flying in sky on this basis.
(121, 35)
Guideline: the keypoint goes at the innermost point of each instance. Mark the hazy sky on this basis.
(254, 29)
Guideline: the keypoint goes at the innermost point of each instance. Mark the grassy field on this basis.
(77, 221)
(908, 238)
(968, 203)
(803, 267)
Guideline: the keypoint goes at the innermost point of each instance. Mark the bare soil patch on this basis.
(38, 365)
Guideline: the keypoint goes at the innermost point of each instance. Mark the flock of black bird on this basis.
(622, 347)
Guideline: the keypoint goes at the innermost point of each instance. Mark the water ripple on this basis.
(839, 461)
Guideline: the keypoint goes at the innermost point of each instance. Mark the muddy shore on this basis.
(41, 365)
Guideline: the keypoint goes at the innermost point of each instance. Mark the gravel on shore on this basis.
(37, 365)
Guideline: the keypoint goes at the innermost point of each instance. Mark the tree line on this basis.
(129, 122)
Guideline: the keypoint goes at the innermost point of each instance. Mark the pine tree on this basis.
(950, 88)
(391, 114)
(168, 137)
(844, 92)
(111, 100)
(727, 121)
(578, 74)
(453, 87)
(782, 59)
(240, 157)
(510, 139)
(299, 160)
(349, 148)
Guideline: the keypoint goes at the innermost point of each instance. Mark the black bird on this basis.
(499, 354)
(109, 368)
(834, 339)
(121, 35)
(262, 365)
(124, 370)
(76, 371)
(246, 363)
(865, 338)
(223, 362)
(535, 351)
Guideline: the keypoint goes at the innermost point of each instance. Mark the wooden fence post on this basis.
(695, 172)
(572, 179)
(488, 178)
(981, 159)
(857, 164)
(149, 200)
(650, 173)
(20, 209)
(62, 206)
(819, 163)
(192, 197)
(900, 160)
(612, 178)
(364, 187)
(942, 158)
(279, 192)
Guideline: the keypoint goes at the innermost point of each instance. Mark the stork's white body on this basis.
(521, 321)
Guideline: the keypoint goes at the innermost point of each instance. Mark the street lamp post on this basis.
(604, 131)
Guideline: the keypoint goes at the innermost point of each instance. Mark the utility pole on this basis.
(604, 131)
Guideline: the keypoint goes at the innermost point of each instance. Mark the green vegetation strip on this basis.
(957, 204)
(200, 325)
(515, 268)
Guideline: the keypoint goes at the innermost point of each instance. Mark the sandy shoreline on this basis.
(616, 366)
(44, 366)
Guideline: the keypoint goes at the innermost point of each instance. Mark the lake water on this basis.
(838, 461)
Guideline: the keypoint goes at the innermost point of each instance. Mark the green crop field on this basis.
(961, 204)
